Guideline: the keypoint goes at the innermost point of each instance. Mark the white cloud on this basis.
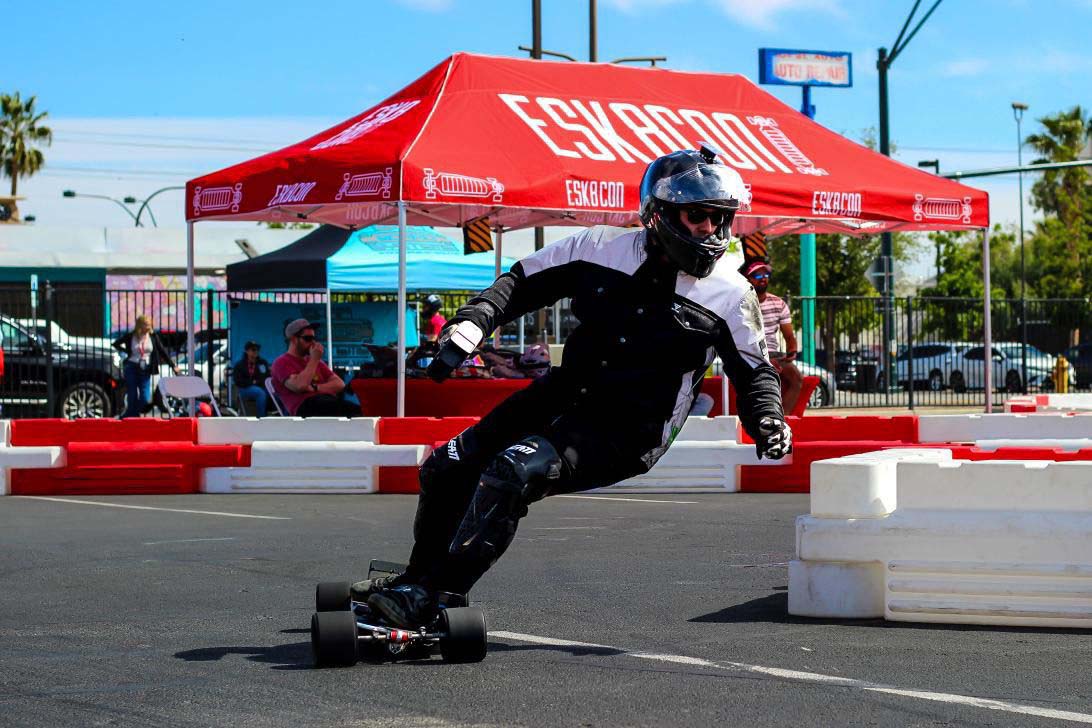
(965, 67)
(761, 14)
(636, 6)
(429, 6)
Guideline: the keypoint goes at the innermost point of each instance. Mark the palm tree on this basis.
(21, 131)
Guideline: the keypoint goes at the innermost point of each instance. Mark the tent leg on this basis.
(522, 338)
(987, 339)
(401, 411)
(190, 293)
(496, 274)
(329, 331)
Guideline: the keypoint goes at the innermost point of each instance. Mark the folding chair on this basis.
(274, 398)
(185, 388)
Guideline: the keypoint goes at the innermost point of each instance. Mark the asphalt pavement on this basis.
(606, 611)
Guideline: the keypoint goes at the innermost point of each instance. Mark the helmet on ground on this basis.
(685, 178)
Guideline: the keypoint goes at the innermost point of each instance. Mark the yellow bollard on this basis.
(1061, 375)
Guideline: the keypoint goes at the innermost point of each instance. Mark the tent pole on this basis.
(497, 273)
(401, 411)
(329, 331)
(190, 293)
(987, 339)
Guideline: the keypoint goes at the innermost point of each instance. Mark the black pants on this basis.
(594, 450)
(327, 405)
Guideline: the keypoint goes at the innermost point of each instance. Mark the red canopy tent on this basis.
(530, 143)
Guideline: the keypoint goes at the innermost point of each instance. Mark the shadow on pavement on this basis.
(774, 608)
(294, 656)
(574, 650)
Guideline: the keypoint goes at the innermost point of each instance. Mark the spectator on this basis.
(249, 374)
(143, 352)
(775, 317)
(432, 320)
(306, 386)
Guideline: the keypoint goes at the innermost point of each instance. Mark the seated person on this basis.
(305, 385)
(249, 375)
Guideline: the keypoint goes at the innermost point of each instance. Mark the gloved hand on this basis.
(774, 439)
(456, 343)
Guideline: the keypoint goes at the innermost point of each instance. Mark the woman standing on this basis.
(143, 353)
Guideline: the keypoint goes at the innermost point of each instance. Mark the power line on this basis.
(149, 145)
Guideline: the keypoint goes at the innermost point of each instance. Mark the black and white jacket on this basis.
(647, 332)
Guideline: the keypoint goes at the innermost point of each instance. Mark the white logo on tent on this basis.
(217, 198)
(366, 185)
(372, 121)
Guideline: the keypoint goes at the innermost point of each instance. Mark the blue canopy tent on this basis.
(332, 259)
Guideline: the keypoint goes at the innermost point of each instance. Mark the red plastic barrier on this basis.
(122, 454)
(106, 480)
(796, 478)
(136, 429)
(967, 452)
(432, 431)
(711, 386)
(831, 428)
(426, 398)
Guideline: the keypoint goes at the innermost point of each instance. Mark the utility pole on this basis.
(593, 50)
(883, 63)
(1018, 110)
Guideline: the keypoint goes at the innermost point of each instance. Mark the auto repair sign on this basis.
(804, 68)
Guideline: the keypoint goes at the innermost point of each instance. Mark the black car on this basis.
(853, 370)
(87, 380)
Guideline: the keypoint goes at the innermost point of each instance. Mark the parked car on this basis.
(1080, 358)
(87, 382)
(60, 337)
(1008, 371)
(928, 365)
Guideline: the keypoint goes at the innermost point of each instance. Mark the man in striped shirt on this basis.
(776, 317)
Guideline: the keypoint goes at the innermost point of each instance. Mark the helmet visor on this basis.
(713, 185)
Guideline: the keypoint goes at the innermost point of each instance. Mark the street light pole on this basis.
(1018, 110)
(119, 203)
(149, 199)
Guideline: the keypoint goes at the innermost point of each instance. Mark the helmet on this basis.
(433, 302)
(690, 177)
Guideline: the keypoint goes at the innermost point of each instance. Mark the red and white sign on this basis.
(539, 142)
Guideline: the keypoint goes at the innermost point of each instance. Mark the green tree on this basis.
(21, 132)
(1062, 241)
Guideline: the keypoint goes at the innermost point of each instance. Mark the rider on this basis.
(655, 305)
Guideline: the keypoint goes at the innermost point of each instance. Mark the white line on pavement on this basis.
(814, 677)
(187, 540)
(153, 508)
(568, 528)
(616, 498)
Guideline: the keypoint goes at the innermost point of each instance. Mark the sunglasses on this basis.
(307, 338)
(760, 276)
(697, 215)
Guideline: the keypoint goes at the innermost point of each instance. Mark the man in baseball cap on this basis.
(776, 317)
(303, 382)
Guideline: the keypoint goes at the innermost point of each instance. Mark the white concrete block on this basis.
(1068, 445)
(1074, 402)
(995, 485)
(5, 433)
(862, 486)
(38, 456)
(324, 455)
(711, 429)
(248, 430)
(838, 590)
(971, 428)
(696, 466)
(286, 480)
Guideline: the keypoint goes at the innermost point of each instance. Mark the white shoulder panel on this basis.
(621, 249)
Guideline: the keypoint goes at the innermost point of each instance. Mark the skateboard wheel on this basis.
(332, 596)
(333, 639)
(465, 636)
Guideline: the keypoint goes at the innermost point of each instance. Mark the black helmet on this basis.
(433, 302)
(690, 177)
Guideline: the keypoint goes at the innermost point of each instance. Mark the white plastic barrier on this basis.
(311, 467)
(249, 430)
(990, 542)
(37, 456)
(705, 456)
(972, 428)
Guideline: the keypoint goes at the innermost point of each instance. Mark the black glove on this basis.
(774, 439)
(456, 343)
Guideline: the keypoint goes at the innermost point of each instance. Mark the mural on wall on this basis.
(163, 299)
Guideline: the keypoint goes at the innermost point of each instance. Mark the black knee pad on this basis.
(454, 461)
(519, 476)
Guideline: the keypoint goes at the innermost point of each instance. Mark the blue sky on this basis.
(144, 95)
